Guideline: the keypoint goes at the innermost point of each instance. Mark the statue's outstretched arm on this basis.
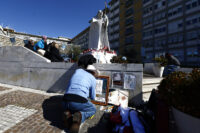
(93, 20)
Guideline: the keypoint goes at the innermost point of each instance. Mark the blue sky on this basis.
(53, 18)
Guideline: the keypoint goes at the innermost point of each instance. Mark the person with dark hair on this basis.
(29, 45)
(172, 64)
(86, 60)
(52, 53)
(81, 88)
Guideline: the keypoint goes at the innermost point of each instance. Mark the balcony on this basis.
(114, 14)
(129, 21)
(129, 12)
(129, 31)
(129, 40)
(114, 5)
(129, 3)
(147, 2)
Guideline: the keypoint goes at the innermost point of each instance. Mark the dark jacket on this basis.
(172, 60)
(53, 54)
(29, 46)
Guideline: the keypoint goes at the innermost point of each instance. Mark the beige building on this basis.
(130, 29)
(11, 37)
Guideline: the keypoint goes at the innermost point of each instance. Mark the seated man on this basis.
(172, 64)
(30, 45)
(81, 87)
(40, 46)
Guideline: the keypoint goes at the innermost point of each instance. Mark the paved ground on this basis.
(24, 110)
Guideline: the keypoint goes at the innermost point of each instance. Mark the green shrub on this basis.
(118, 59)
(162, 60)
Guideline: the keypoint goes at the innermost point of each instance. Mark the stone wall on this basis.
(20, 54)
(54, 77)
(5, 41)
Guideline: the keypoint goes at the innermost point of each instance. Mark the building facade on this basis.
(172, 26)
(131, 29)
(114, 25)
(82, 39)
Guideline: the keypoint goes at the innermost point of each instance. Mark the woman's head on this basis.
(53, 44)
(86, 60)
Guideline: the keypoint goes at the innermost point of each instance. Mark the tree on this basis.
(74, 52)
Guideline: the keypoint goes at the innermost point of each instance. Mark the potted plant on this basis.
(159, 64)
(181, 91)
(119, 59)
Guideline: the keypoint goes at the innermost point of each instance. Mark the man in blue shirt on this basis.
(81, 88)
(41, 44)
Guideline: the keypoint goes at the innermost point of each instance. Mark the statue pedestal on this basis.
(102, 56)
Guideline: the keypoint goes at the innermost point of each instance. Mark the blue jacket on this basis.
(39, 45)
(83, 84)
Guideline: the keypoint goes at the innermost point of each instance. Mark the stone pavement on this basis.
(24, 110)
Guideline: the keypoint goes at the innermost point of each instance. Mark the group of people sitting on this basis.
(50, 51)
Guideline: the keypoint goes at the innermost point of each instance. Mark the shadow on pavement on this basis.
(52, 111)
(103, 125)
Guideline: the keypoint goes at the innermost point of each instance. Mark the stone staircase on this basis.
(149, 83)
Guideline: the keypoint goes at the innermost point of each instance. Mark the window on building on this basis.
(145, 1)
(160, 30)
(147, 33)
(188, 6)
(163, 3)
(129, 12)
(192, 35)
(156, 6)
(180, 25)
(194, 4)
(148, 10)
(129, 31)
(129, 21)
(129, 40)
(148, 21)
(175, 11)
(129, 3)
(194, 21)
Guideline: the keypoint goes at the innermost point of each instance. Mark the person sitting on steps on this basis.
(40, 47)
(30, 45)
(76, 98)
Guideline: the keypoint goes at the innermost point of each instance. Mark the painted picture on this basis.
(117, 79)
(102, 90)
(129, 81)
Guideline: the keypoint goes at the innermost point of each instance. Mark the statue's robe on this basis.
(98, 34)
(95, 34)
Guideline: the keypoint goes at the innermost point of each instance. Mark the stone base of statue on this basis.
(103, 56)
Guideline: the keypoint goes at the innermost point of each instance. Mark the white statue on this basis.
(98, 34)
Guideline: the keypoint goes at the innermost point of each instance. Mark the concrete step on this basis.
(145, 96)
(148, 84)
(151, 80)
(149, 88)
